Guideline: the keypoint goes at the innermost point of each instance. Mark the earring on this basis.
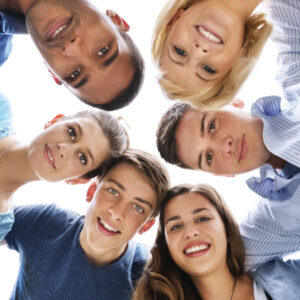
(55, 78)
(53, 121)
(78, 180)
(91, 191)
(117, 20)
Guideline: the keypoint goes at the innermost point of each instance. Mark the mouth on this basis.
(106, 229)
(49, 156)
(58, 29)
(242, 148)
(209, 35)
(196, 249)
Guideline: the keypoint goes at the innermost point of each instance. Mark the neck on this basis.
(14, 166)
(101, 256)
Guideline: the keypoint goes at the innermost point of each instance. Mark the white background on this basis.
(36, 98)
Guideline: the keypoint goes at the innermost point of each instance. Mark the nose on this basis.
(63, 150)
(73, 48)
(200, 49)
(117, 212)
(227, 146)
(191, 232)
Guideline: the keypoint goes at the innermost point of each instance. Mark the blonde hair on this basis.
(257, 31)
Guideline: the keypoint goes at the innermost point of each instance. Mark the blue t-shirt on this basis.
(54, 266)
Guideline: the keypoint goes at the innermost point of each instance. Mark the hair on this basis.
(162, 278)
(114, 132)
(128, 94)
(165, 134)
(150, 167)
(257, 31)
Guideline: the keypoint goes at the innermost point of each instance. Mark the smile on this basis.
(106, 228)
(58, 29)
(197, 249)
(242, 149)
(212, 37)
(49, 156)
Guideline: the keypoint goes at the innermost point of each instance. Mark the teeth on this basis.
(109, 228)
(195, 249)
(58, 31)
(209, 35)
(50, 156)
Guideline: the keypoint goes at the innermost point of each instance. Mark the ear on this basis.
(175, 17)
(238, 103)
(53, 121)
(146, 226)
(117, 20)
(78, 180)
(57, 81)
(91, 191)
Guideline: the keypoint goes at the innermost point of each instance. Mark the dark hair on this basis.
(165, 134)
(162, 278)
(149, 166)
(128, 94)
(114, 132)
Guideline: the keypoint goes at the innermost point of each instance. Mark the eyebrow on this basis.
(87, 150)
(124, 189)
(195, 211)
(82, 82)
(202, 129)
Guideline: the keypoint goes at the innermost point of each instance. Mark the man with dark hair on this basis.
(67, 256)
(84, 49)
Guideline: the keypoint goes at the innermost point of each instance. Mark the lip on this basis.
(47, 150)
(197, 27)
(105, 231)
(242, 148)
(197, 253)
(57, 25)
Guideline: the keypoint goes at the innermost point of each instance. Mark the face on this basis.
(82, 47)
(203, 44)
(120, 207)
(195, 234)
(68, 149)
(221, 142)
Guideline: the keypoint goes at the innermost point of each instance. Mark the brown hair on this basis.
(165, 134)
(257, 31)
(162, 278)
(150, 167)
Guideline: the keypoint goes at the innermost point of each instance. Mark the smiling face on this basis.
(221, 142)
(120, 207)
(195, 234)
(82, 47)
(68, 149)
(203, 44)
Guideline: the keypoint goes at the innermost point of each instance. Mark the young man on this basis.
(67, 256)
(84, 49)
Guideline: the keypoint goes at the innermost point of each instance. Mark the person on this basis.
(74, 148)
(67, 256)
(85, 50)
(199, 251)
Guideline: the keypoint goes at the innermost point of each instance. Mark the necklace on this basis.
(233, 288)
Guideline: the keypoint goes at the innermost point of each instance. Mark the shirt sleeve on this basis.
(5, 117)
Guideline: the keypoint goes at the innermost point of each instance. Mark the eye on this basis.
(103, 51)
(74, 74)
(208, 69)
(209, 158)
(175, 227)
(72, 133)
(82, 158)
(138, 208)
(202, 219)
(180, 51)
(113, 191)
(212, 127)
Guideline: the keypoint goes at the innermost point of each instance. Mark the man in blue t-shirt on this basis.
(85, 50)
(67, 256)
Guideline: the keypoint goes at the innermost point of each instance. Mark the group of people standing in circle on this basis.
(204, 50)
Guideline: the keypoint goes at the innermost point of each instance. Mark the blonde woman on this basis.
(206, 49)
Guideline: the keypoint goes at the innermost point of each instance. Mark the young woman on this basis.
(206, 49)
(73, 148)
(199, 252)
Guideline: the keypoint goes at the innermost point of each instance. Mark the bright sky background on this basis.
(36, 98)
